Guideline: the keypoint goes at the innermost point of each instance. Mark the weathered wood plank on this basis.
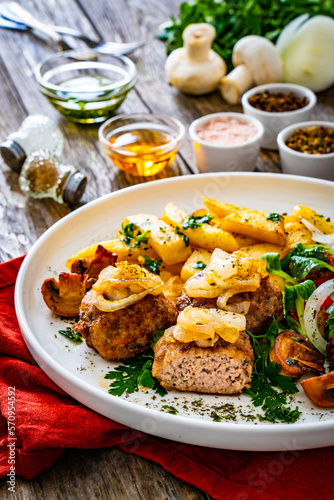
(81, 142)
(106, 474)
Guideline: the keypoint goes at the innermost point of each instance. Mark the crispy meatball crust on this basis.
(265, 303)
(224, 368)
(127, 332)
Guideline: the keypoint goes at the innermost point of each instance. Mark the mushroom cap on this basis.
(261, 58)
(199, 33)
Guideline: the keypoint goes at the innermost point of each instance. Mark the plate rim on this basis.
(34, 346)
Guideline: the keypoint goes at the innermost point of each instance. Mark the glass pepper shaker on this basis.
(43, 176)
(36, 132)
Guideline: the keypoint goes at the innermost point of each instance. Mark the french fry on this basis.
(296, 232)
(244, 241)
(200, 259)
(123, 251)
(256, 251)
(219, 208)
(207, 236)
(241, 239)
(317, 220)
(171, 247)
(255, 224)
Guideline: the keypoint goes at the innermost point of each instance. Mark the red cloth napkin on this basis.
(47, 420)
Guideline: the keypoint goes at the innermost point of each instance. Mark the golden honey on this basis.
(142, 150)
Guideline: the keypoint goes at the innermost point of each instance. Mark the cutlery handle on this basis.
(18, 14)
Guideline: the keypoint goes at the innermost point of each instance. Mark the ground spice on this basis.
(277, 102)
(313, 140)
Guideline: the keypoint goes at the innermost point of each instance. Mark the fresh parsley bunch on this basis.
(136, 372)
(269, 388)
(234, 19)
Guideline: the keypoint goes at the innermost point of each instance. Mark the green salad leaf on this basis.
(274, 266)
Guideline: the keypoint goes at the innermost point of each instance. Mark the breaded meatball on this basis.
(224, 368)
(265, 303)
(127, 332)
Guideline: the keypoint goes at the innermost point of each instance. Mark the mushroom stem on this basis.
(260, 63)
(235, 84)
(198, 39)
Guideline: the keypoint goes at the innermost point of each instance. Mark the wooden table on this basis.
(111, 473)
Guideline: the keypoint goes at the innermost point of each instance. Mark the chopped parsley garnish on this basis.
(131, 232)
(274, 217)
(184, 237)
(128, 231)
(170, 409)
(73, 336)
(142, 237)
(196, 221)
(152, 265)
(136, 372)
(199, 265)
(268, 387)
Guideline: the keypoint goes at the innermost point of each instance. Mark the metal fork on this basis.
(23, 19)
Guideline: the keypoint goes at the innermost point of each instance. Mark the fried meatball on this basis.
(127, 332)
(265, 303)
(224, 368)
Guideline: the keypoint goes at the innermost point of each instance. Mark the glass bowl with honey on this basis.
(85, 86)
(142, 144)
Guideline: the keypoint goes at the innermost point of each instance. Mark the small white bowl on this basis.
(218, 158)
(296, 163)
(274, 122)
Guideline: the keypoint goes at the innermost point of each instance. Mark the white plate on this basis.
(79, 371)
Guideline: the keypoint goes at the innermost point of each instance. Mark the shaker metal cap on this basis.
(74, 187)
(12, 154)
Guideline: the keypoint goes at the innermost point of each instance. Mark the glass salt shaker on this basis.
(43, 176)
(36, 132)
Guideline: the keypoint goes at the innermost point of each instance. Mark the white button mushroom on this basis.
(195, 68)
(256, 61)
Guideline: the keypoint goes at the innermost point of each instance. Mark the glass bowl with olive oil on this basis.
(85, 86)
(142, 144)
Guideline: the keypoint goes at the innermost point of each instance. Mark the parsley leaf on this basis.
(131, 232)
(274, 217)
(194, 221)
(72, 335)
(184, 237)
(128, 231)
(269, 388)
(199, 265)
(136, 372)
(142, 237)
(152, 265)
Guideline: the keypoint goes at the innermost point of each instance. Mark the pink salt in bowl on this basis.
(226, 142)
